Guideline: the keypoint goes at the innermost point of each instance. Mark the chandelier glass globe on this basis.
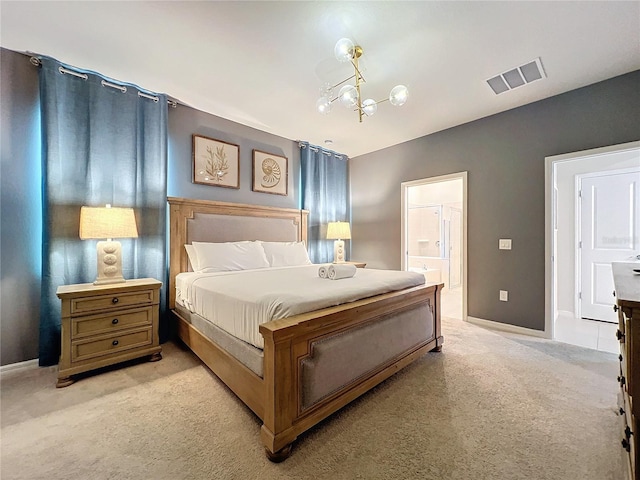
(348, 96)
(398, 95)
(369, 107)
(323, 105)
(344, 50)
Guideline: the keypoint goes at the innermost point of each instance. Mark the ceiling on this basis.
(261, 64)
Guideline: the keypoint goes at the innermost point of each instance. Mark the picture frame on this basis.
(270, 173)
(216, 162)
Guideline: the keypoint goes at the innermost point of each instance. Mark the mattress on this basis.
(239, 301)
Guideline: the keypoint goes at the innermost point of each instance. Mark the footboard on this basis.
(316, 363)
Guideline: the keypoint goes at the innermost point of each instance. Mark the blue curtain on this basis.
(325, 193)
(99, 145)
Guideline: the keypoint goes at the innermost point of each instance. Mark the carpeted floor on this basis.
(492, 405)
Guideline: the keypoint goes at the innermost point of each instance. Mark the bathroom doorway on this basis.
(576, 227)
(434, 225)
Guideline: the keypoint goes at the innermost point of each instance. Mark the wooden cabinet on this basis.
(626, 277)
(107, 324)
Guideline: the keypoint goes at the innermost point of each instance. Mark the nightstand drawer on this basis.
(118, 320)
(107, 345)
(116, 300)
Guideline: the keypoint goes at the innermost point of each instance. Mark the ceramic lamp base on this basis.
(338, 251)
(109, 263)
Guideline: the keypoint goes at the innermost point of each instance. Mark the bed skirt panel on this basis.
(250, 356)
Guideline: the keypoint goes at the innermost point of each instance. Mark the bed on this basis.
(292, 382)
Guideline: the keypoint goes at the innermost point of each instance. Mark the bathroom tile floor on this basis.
(451, 305)
(587, 333)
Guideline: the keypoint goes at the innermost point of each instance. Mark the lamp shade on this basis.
(104, 222)
(338, 231)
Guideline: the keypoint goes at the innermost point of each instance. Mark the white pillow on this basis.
(286, 254)
(221, 257)
(193, 257)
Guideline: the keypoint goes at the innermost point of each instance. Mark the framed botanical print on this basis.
(270, 173)
(216, 162)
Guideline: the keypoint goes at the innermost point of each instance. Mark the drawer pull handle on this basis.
(615, 308)
(114, 300)
(628, 432)
(622, 380)
(626, 445)
(115, 322)
(619, 335)
(115, 343)
(621, 411)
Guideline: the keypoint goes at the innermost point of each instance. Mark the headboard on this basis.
(209, 221)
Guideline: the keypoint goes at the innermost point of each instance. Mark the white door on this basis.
(609, 231)
(455, 251)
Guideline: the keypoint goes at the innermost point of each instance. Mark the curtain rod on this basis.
(36, 62)
(316, 149)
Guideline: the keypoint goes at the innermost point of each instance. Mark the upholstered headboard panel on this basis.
(208, 221)
(207, 227)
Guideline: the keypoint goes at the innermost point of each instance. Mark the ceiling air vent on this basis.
(516, 77)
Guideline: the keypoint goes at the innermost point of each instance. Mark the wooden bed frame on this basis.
(275, 398)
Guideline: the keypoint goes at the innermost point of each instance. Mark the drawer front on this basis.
(117, 320)
(112, 344)
(630, 354)
(623, 369)
(103, 302)
(635, 447)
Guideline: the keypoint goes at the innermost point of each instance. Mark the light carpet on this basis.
(491, 405)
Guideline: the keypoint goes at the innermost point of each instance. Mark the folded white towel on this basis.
(341, 270)
(323, 270)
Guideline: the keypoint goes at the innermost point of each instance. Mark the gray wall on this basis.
(20, 209)
(504, 155)
(185, 121)
(20, 229)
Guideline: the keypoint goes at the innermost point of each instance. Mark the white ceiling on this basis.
(261, 64)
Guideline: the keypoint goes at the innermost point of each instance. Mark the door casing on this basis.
(425, 181)
(550, 221)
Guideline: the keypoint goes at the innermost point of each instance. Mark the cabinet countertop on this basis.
(627, 282)
(111, 287)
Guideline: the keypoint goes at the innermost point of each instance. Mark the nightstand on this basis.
(358, 264)
(107, 324)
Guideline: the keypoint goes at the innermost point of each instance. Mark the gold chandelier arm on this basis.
(359, 78)
(345, 80)
(358, 73)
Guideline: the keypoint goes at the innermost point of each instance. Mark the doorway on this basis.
(569, 220)
(434, 228)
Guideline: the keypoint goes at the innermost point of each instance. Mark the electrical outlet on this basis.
(504, 296)
(504, 244)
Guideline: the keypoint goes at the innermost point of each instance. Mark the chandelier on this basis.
(349, 95)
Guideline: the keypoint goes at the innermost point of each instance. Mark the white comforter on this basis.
(239, 301)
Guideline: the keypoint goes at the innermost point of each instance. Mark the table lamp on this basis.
(108, 223)
(338, 231)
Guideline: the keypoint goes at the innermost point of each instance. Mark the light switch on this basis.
(504, 296)
(504, 244)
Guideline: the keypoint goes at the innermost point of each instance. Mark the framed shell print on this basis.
(270, 173)
(216, 162)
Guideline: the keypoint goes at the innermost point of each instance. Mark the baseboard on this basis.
(505, 327)
(565, 313)
(20, 367)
